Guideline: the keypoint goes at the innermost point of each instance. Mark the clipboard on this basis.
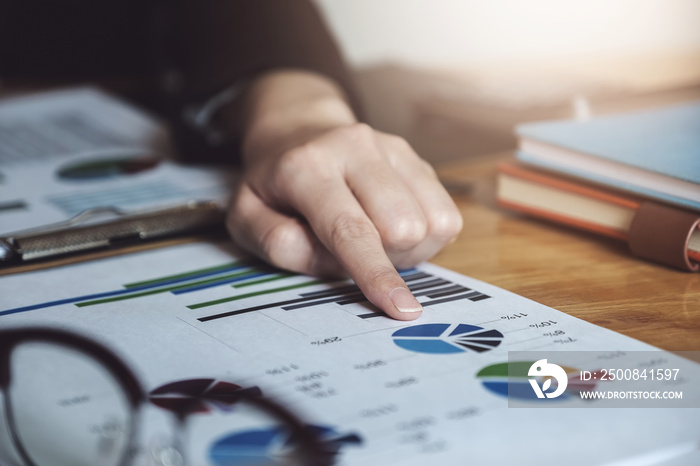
(108, 231)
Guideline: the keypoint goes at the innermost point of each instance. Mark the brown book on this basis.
(654, 230)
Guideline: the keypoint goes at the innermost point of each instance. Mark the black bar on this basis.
(251, 309)
(348, 292)
(370, 315)
(416, 276)
(356, 299)
(451, 298)
(429, 284)
(419, 286)
(341, 290)
(314, 303)
(448, 291)
(429, 291)
(479, 298)
(348, 289)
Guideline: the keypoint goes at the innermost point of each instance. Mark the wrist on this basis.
(288, 108)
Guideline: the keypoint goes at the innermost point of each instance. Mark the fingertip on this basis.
(405, 305)
(405, 316)
(404, 301)
(387, 290)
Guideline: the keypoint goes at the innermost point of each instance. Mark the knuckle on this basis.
(445, 224)
(278, 242)
(360, 131)
(349, 228)
(358, 135)
(400, 144)
(296, 165)
(404, 233)
(300, 156)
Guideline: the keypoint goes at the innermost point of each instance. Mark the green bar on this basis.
(262, 280)
(506, 369)
(257, 293)
(155, 281)
(163, 290)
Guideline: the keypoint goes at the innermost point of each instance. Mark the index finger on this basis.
(341, 224)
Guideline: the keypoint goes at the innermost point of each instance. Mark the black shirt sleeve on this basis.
(221, 43)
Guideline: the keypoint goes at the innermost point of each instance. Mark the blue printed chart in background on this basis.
(270, 446)
(447, 338)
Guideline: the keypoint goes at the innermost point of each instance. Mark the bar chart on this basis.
(266, 282)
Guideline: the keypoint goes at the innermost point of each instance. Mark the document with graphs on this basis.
(195, 320)
(67, 151)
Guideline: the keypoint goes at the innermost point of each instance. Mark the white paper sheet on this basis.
(410, 400)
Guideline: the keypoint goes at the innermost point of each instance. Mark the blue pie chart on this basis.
(447, 338)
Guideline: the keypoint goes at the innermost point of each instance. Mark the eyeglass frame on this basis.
(312, 448)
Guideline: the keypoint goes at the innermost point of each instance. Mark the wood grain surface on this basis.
(587, 276)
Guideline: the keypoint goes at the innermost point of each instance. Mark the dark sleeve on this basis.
(221, 43)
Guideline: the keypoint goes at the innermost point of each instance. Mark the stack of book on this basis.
(635, 177)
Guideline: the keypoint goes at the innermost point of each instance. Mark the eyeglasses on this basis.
(70, 401)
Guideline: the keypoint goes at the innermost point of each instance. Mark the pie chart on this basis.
(447, 338)
(510, 379)
(271, 446)
(199, 395)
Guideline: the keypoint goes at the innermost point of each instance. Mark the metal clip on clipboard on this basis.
(83, 233)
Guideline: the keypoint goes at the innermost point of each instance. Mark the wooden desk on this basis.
(587, 276)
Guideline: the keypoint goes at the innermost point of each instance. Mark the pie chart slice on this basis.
(428, 346)
(425, 330)
(248, 448)
(462, 329)
(199, 395)
(447, 338)
(270, 446)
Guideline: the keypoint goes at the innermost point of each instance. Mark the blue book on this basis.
(655, 153)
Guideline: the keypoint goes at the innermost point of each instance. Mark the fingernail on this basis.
(404, 300)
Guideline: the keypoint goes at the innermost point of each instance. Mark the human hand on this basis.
(322, 194)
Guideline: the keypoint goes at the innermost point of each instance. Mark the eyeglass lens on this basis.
(66, 408)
